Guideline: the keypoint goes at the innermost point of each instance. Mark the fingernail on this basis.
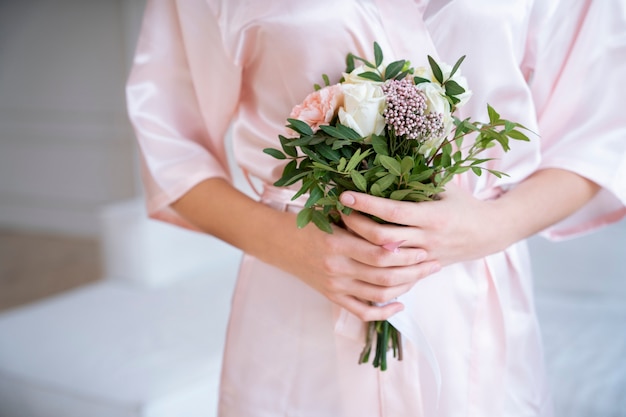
(435, 268)
(393, 246)
(347, 199)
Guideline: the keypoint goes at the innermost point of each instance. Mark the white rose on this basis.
(363, 107)
(354, 78)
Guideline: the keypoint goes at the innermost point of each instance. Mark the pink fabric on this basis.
(554, 66)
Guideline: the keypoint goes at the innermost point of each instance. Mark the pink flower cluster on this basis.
(406, 112)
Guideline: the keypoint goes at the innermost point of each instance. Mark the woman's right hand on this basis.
(349, 270)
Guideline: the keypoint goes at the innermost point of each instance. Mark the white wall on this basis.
(66, 147)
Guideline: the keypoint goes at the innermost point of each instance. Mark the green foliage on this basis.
(336, 158)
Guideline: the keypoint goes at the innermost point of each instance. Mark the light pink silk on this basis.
(474, 347)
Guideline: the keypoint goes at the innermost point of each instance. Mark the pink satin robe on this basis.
(473, 346)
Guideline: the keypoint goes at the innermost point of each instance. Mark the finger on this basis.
(379, 295)
(367, 312)
(391, 211)
(392, 276)
(383, 234)
(364, 251)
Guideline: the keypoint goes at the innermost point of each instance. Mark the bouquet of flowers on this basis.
(388, 130)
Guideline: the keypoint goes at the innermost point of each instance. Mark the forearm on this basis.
(219, 209)
(543, 199)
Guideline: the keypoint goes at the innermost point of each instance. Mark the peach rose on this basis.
(319, 107)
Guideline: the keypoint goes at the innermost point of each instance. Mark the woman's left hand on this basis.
(457, 227)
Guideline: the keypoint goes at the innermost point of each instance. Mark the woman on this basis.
(461, 279)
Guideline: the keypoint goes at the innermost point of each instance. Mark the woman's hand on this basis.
(458, 227)
(352, 272)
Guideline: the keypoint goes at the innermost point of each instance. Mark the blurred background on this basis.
(106, 313)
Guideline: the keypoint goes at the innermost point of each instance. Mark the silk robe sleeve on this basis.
(578, 88)
(182, 92)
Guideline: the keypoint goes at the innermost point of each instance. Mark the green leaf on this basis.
(349, 63)
(285, 181)
(325, 167)
(328, 152)
(359, 180)
(289, 150)
(349, 133)
(516, 134)
(379, 143)
(385, 182)
(421, 176)
(420, 80)
(301, 141)
(304, 217)
(316, 194)
(369, 75)
(326, 80)
(493, 114)
(321, 222)
(394, 69)
(407, 165)
(341, 132)
(356, 159)
(306, 185)
(378, 54)
(342, 164)
(275, 153)
(477, 171)
(453, 88)
(456, 66)
(338, 144)
(400, 195)
(435, 69)
(391, 164)
(301, 127)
